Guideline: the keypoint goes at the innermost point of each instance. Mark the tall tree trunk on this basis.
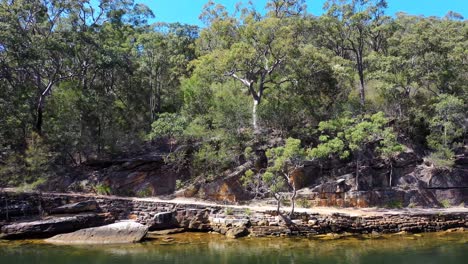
(362, 88)
(254, 114)
(391, 174)
(39, 115)
(357, 174)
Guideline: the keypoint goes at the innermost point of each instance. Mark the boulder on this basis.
(164, 220)
(53, 226)
(237, 232)
(117, 233)
(80, 207)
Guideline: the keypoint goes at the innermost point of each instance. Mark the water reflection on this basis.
(210, 248)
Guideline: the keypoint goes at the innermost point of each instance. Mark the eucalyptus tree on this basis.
(352, 137)
(352, 28)
(255, 49)
(284, 161)
(164, 52)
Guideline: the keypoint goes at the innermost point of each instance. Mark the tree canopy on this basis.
(81, 80)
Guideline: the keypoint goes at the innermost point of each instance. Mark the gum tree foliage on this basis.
(352, 28)
(252, 49)
(283, 162)
(448, 125)
(89, 78)
(169, 126)
(352, 137)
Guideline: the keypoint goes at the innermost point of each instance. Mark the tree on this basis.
(447, 125)
(255, 54)
(354, 136)
(168, 125)
(351, 28)
(283, 162)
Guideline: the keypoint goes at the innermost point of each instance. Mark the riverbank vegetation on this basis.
(86, 80)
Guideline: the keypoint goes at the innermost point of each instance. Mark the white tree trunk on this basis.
(254, 115)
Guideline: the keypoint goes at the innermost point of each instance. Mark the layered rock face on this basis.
(407, 180)
(57, 225)
(143, 175)
(234, 223)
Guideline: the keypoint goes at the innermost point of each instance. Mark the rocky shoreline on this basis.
(33, 215)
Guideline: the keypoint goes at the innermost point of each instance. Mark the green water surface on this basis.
(209, 248)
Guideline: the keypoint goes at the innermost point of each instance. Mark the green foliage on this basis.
(346, 136)
(168, 125)
(211, 160)
(442, 158)
(283, 161)
(248, 211)
(37, 156)
(103, 189)
(228, 211)
(28, 187)
(179, 184)
(447, 124)
(395, 204)
(285, 202)
(75, 89)
(446, 203)
(304, 203)
(145, 192)
(247, 178)
(291, 156)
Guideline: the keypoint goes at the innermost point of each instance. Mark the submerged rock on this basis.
(80, 207)
(117, 233)
(155, 234)
(237, 232)
(53, 226)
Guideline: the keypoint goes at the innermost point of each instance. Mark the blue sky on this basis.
(187, 11)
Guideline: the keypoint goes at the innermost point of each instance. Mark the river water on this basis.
(201, 248)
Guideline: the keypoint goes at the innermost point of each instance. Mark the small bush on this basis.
(248, 212)
(304, 203)
(145, 192)
(27, 187)
(286, 202)
(446, 203)
(179, 184)
(228, 211)
(102, 189)
(395, 204)
(441, 159)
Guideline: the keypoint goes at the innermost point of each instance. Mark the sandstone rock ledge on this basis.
(117, 233)
(52, 226)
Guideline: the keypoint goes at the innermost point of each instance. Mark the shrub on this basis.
(248, 212)
(446, 203)
(228, 211)
(442, 159)
(304, 203)
(102, 189)
(145, 192)
(179, 185)
(395, 204)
